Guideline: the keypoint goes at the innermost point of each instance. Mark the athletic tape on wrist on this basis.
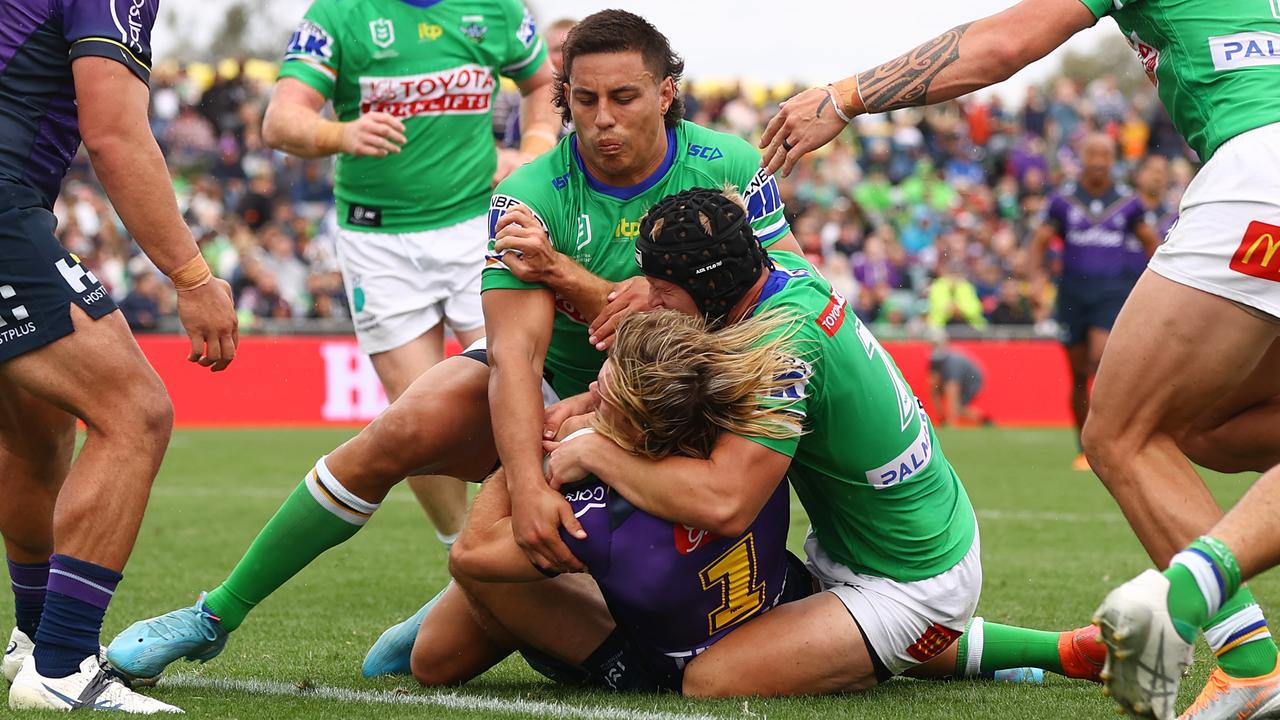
(193, 274)
(328, 136)
(537, 140)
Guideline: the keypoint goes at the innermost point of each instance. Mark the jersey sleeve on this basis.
(525, 50)
(759, 189)
(118, 30)
(1054, 214)
(313, 55)
(590, 503)
(518, 189)
(805, 346)
(1102, 8)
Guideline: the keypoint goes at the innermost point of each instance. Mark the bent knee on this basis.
(430, 670)
(146, 419)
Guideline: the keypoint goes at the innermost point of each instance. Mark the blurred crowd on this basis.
(921, 217)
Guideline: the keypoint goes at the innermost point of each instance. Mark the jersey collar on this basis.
(778, 279)
(630, 191)
(424, 4)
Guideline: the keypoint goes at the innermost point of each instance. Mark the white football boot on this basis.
(1145, 654)
(18, 650)
(93, 688)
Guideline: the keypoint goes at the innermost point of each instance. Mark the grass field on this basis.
(1053, 544)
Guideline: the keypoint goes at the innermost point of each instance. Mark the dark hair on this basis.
(614, 31)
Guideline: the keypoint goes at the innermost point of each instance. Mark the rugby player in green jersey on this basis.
(894, 541)
(1192, 368)
(412, 84)
(573, 214)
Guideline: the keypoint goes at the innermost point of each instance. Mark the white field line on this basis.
(425, 698)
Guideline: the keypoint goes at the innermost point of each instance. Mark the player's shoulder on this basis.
(542, 178)
(703, 146)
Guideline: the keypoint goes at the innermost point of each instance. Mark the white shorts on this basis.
(1227, 238)
(905, 623)
(479, 351)
(400, 285)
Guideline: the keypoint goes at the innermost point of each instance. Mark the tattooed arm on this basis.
(959, 61)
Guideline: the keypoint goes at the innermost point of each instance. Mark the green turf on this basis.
(1053, 544)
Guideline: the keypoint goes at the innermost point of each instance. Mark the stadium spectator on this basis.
(979, 170)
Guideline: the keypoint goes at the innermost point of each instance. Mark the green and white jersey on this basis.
(597, 224)
(1216, 63)
(435, 66)
(881, 496)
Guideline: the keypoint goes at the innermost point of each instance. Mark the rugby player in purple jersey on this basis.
(1097, 221)
(73, 70)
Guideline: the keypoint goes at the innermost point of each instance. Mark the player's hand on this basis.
(534, 259)
(554, 416)
(373, 134)
(209, 317)
(508, 160)
(629, 296)
(566, 461)
(537, 514)
(804, 123)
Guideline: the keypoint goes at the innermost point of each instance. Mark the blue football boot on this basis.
(147, 647)
(390, 655)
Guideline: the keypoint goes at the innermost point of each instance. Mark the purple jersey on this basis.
(1161, 220)
(677, 590)
(39, 132)
(1094, 231)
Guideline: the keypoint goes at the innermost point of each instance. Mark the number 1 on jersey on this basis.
(736, 573)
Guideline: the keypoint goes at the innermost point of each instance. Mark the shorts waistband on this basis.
(13, 195)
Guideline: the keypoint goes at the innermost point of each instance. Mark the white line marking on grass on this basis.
(448, 700)
(1038, 516)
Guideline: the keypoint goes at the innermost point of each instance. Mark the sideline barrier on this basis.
(307, 381)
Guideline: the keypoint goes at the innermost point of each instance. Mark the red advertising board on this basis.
(307, 381)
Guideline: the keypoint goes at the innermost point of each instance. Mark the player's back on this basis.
(675, 590)
(881, 496)
(39, 132)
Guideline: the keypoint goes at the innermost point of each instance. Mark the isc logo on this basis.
(706, 152)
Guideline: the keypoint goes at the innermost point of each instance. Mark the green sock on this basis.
(987, 647)
(320, 514)
(1238, 635)
(1201, 579)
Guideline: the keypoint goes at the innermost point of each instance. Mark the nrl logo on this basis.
(383, 32)
(473, 27)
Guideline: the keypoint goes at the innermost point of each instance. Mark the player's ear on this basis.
(666, 93)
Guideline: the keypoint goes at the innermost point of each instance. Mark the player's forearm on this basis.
(683, 490)
(299, 130)
(132, 171)
(963, 59)
(515, 404)
(493, 556)
(588, 294)
(486, 549)
(539, 120)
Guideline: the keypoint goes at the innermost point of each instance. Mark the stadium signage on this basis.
(463, 90)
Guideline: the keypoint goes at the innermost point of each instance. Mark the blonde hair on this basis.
(680, 385)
